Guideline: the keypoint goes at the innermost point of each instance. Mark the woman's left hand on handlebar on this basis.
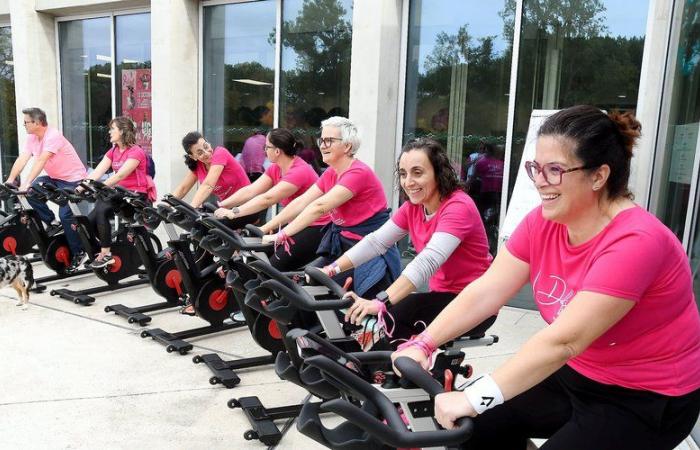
(450, 406)
(359, 309)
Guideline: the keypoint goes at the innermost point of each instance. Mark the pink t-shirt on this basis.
(656, 346)
(368, 194)
(65, 164)
(301, 175)
(458, 216)
(232, 178)
(137, 180)
(490, 170)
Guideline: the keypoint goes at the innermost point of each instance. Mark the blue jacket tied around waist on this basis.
(368, 274)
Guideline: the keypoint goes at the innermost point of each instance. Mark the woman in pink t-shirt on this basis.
(287, 178)
(446, 231)
(129, 163)
(618, 366)
(351, 194)
(215, 169)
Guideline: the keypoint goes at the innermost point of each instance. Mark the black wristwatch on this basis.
(383, 297)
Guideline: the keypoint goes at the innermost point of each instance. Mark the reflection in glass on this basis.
(133, 73)
(682, 136)
(239, 72)
(315, 78)
(583, 52)
(457, 81)
(8, 116)
(86, 85)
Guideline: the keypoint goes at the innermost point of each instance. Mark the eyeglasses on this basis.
(270, 147)
(327, 141)
(26, 122)
(552, 172)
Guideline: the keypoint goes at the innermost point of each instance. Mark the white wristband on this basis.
(483, 394)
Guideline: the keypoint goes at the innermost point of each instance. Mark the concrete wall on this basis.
(650, 95)
(35, 62)
(374, 83)
(72, 7)
(175, 59)
(5, 10)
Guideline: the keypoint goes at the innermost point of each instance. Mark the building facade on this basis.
(466, 72)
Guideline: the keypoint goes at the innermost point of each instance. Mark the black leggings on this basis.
(425, 307)
(99, 218)
(99, 221)
(301, 253)
(576, 413)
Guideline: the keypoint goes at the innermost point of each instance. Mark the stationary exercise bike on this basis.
(52, 247)
(127, 261)
(237, 253)
(204, 287)
(15, 238)
(368, 400)
(159, 265)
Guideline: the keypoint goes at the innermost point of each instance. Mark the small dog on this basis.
(16, 271)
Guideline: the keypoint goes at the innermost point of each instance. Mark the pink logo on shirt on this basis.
(552, 290)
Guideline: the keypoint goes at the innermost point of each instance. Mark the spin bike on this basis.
(53, 248)
(158, 264)
(368, 400)
(203, 285)
(15, 237)
(127, 261)
(285, 301)
(237, 252)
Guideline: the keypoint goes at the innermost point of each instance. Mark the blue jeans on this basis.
(64, 212)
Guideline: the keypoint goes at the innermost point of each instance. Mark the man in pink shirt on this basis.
(56, 156)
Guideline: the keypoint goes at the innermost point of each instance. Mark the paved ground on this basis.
(75, 377)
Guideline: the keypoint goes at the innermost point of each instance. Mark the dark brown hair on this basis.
(445, 175)
(598, 139)
(128, 129)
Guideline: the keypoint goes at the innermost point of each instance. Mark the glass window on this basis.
(8, 116)
(457, 81)
(86, 85)
(133, 73)
(681, 142)
(315, 77)
(239, 72)
(583, 52)
(683, 120)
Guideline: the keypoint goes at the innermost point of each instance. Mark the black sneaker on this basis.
(76, 262)
(102, 261)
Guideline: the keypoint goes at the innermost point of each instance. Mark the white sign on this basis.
(525, 197)
(685, 138)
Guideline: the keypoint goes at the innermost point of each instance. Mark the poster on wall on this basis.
(685, 139)
(136, 103)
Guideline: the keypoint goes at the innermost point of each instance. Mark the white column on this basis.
(649, 97)
(35, 63)
(174, 55)
(374, 83)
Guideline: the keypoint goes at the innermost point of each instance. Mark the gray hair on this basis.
(36, 114)
(348, 131)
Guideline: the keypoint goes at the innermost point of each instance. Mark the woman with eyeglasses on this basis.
(446, 230)
(287, 178)
(352, 195)
(618, 366)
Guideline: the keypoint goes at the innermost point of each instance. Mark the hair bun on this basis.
(629, 127)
